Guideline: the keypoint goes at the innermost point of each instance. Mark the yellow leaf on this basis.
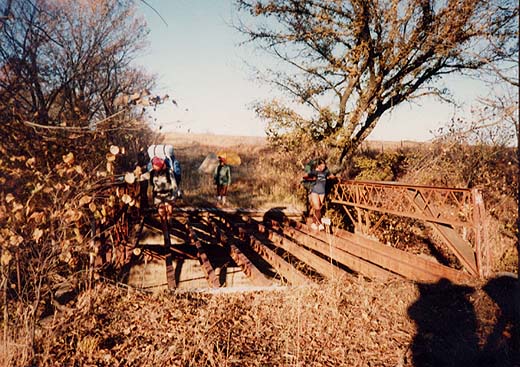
(110, 168)
(110, 157)
(126, 198)
(72, 215)
(79, 237)
(79, 169)
(114, 149)
(37, 188)
(130, 178)
(6, 258)
(85, 200)
(17, 207)
(30, 162)
(65, 256)
(68, 159)
(38, 217)
(92, 207)
(15, 240)
(37, 234)
(9, 197)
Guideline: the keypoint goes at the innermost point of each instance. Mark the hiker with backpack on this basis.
(222, 179)
(316, 182)
(163, 186)
(164, 179)
(165, 152)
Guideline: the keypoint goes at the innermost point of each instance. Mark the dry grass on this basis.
(352, 322)
(342, 324)
(347, 322)
(263, 180)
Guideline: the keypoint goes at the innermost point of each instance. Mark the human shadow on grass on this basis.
(502, 348)
(447, 326)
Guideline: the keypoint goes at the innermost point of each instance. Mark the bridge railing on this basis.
(456, 215)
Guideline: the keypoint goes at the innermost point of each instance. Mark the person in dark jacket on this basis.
(222, 179)
(163, 185)
(319, 175)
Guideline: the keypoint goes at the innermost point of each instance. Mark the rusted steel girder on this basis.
(400, 262)
(170, 271)
(285, 269)
(329, 246)
(249, 269)
(322, 266)
(237, 211)
(203, 258)
(455, 214)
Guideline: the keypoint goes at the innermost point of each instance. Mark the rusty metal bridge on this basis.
(276, 247)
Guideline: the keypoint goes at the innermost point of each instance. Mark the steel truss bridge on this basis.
(277, 247)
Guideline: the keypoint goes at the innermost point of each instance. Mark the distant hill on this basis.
(183, 139)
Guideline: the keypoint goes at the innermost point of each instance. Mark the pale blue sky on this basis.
(200, 64)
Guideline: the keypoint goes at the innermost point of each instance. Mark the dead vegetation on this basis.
(62, 201)
(347, 322)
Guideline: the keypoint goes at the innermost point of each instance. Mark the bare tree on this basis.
(63, 65)
(66, 62)
(351, 61)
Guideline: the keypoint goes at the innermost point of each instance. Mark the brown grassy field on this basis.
(261, 181)
(351, 321)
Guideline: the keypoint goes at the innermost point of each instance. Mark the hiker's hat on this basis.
(159, 162)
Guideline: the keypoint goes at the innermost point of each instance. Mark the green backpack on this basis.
(308, 168)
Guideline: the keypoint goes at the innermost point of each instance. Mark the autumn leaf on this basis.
(65, 256)
(92, 206)
(110, 157)
(72, 215)
(85, 200)
(38, 217)
(68, 159)
(126, 198)
(15, 240)
(37, 188)
(79, 170)
(17, 207)
(114, 149)
(30, 162)
(37, 234)
(110, 168)
(79, 237)
(130, 178)
(9, 197)
(6, 258)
